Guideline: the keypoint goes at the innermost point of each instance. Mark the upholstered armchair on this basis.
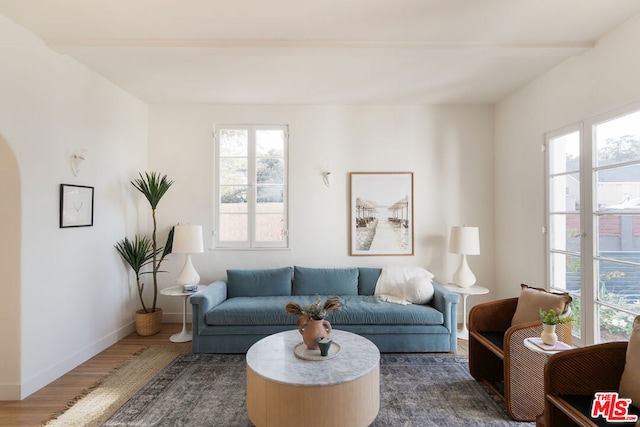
(499, 358)
(571, 379)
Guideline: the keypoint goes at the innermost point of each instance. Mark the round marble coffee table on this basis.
(284, 390)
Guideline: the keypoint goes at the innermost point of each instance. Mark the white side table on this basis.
(465, 292)
(176, 291)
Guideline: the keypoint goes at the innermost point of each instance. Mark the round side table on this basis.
(176, 291)
(463, 333)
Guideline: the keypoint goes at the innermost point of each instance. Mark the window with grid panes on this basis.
(251, 187)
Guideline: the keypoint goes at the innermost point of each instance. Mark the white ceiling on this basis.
(323, 51)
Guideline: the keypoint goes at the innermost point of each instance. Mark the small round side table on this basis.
(176, 291)
(463, 333)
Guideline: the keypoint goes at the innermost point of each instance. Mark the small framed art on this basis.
(76, 206)
(381, 213)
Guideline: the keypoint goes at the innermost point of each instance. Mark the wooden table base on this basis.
(354, 403)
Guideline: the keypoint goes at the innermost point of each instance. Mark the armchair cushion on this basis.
(496, 338)
(533, 299)
(630, 381)
(583, 404)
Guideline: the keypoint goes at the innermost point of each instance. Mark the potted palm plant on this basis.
(142, 251)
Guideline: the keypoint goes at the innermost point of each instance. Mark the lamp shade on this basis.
(187, 239)
(464, 240)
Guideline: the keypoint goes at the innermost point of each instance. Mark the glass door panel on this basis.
(617, 240)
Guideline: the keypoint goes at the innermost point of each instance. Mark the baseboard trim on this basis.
(174, 317)
(47, 376)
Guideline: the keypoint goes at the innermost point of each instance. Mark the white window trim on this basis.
(251, 243)
(548, 227)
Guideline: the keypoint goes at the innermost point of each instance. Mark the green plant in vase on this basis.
(552, 318)
(549, 321)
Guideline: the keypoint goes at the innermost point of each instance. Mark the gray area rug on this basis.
(415, 390)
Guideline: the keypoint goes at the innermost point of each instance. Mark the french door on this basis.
(593, 223)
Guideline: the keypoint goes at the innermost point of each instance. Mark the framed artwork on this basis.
(381, 213)
(76, 206)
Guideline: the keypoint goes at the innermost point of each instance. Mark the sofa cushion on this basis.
(356, 310)
(261, 310)
(367, 279)
(532, 300)
(630, 381)
(248, 283)
(325, 281)
(371, 310)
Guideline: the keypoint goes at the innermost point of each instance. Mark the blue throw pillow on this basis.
(252, 283)
(367, 280)
(325, 281)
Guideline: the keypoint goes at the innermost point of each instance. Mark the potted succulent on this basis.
(143, 251)
(549, 321)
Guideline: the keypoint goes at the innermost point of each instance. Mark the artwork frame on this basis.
(372, 194)
(76, 206)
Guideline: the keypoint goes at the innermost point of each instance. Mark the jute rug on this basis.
(101, 400)
(416, 390)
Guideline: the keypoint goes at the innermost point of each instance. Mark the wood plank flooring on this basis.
(38, 407)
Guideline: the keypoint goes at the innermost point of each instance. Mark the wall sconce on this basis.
(76, 159)
(325, 178)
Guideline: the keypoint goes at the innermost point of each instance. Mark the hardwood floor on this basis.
(38, 407)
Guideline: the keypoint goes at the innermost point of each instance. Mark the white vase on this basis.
(548, 334)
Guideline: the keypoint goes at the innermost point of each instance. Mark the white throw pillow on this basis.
(418, 290)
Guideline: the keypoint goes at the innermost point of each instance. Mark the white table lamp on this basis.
(187, 239)
(464, 241)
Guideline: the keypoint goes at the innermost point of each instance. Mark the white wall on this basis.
(449, 149)
(599, 80)
(74, 298)
(10, 264)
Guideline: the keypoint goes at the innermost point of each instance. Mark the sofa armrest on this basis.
(494, 316)
(585, 370)
(210, 296)
(205, 300)
(446, 302)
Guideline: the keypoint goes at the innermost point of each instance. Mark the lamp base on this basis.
(189, 275)
(464, 277)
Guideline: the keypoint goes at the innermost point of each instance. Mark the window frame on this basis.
(251, 243)
(589, 214)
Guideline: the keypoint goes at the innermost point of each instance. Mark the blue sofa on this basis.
(230, 316)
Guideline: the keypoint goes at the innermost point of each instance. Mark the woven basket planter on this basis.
(148, 323)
